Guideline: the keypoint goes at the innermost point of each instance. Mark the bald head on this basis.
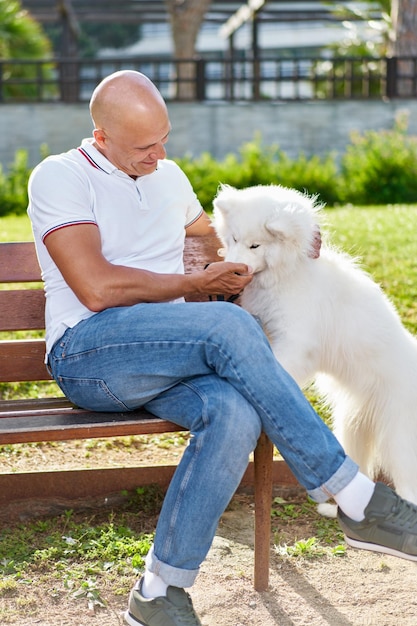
(122, 97)
(131, 122)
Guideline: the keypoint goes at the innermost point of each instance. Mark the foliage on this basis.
(355, 66)
(257, 164)
(21, 38)
(13, 185)
(374, 41)
(380, 167)
(355, 76)
(20, 35)
(94, 37)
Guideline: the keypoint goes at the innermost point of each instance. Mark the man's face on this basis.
(134, 149)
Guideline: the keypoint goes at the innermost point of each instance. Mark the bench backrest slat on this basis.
(23, 309)
(19, 263)
(22, 360)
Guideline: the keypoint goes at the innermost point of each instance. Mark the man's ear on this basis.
(99, 137)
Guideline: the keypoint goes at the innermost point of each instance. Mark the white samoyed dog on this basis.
(328, 323)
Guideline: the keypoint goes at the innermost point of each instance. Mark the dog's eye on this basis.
(254, 246)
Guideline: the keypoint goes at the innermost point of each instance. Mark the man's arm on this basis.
(98, 284)
(202, 226)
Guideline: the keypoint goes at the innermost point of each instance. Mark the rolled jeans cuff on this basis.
(342, 477)
(170, 575)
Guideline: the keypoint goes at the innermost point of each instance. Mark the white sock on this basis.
(153, 586)
(354, 498)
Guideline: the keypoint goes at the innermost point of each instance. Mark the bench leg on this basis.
(263, 458)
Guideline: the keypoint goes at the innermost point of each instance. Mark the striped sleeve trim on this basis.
(195, 219)
(65, 225)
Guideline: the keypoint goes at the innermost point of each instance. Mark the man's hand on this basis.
(223, 278)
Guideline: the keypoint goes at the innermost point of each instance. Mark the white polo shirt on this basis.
(142, 222)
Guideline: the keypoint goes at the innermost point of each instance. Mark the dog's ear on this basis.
(275, 226)
(224, 200)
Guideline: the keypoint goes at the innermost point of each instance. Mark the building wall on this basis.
(219, 128)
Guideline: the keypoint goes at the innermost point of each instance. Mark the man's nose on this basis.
(159, 151)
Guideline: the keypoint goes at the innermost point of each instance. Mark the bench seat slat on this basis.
(55, 425)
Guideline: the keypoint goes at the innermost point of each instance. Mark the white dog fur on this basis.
(330, 323)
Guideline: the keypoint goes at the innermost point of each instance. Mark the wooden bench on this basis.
(55, 419)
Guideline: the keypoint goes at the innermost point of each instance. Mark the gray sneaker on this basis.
(176, 609)
(390, 525)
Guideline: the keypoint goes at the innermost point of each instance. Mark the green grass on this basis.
(385, 239)
(15, 228)
(78, 554)
(289, 519)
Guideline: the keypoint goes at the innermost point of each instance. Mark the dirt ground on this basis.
(358, 589)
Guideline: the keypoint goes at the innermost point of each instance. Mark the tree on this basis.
(186, 17)
(95, 36)
(404, 28)
(21, 37)
(358, 43)
(403, 43)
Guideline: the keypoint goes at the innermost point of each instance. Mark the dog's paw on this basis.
(327, 510)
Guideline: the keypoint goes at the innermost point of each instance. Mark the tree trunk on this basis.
(404, 26)
(404, 43)
(186, 17)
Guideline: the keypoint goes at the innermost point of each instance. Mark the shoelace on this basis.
(186, 614)
(404, 513)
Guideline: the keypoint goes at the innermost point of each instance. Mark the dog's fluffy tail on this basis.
(327, 509)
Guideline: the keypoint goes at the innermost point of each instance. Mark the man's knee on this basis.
(224, 409)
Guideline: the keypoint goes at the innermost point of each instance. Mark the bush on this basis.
(380, 167)
(315, 175)
(257, 164)
(205, 175)
(13, 185)
(377, 168)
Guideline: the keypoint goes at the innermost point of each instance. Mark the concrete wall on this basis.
(219, 128)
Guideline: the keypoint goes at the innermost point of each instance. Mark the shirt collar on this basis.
(95, 157)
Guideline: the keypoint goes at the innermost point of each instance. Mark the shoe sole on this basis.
(132, 621)
(374, 547)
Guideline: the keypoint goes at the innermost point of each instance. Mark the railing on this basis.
(268, 78)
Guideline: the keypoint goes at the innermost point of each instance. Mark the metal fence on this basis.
(268, 78)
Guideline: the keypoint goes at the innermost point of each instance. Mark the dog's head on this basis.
(266, 226)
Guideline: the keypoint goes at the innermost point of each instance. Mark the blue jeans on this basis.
(209, 368)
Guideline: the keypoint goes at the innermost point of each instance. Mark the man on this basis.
(109, 221)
